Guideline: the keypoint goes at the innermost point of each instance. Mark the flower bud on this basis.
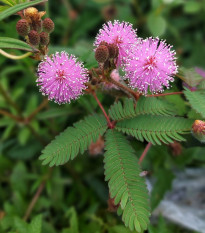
(198, 130)
(48, 25)
(96, 148)
(31, 12)
(104, 43)
(22, 27)
(113, 50)
(34, 38)
(44, 38)
(101, 54)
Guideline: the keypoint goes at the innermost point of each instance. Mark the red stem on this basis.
(110, 125)
(145, 152)
(171, 93)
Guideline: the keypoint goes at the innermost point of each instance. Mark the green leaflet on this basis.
(125, 184)
(18, 7)
(73, 140)
(145, 105)
(196, 100)
(155, 129)
(10, 43)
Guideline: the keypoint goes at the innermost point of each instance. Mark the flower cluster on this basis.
(62, 77)
(149, 65)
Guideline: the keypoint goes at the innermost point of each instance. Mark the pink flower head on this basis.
(61, 77)
(151, 66)
(121, 34)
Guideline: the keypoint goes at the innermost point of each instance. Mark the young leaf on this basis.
(36, 225)
(10, 43)
(7, 2)
(3, 8)
(196, 100)
(125, 184)
(156, 129)
(18, 7)
(73, 140)
(145, 105)
(190, 76)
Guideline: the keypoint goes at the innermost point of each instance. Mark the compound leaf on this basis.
(196, 100)
(149, 105)
(156, 129)
(73, 140)
(126, 186)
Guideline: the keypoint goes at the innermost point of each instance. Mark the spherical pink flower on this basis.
(121, 34)
(61, 77)
(151, 66)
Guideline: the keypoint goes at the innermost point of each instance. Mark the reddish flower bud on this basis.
(198, 130)
(44, 38)
(176, 148)
(48, 25)
(34, 38)
(113, 50)
(104, 43)
(22, 27)
(97, 147)
(101, 53)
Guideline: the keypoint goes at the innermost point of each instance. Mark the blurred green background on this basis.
(73, 198)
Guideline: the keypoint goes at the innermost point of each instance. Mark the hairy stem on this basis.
(16, 118)
(110, 124)
(38, 109)
(145, 152)
(136, 95)
(9, 100)
(164, 94)
(37, 195)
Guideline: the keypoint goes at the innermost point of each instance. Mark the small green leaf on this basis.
(3, 8)
(156, 24)
(21, 226)
(196, 100)
(12, 10)
(10, 43)
(190, 76)
(36, 225)
(9, 3)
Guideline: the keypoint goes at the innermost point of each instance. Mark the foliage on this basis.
(126, 186)
(196, 100)
(79, 182)
(74, 140)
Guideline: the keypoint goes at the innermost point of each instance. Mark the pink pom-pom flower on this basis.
(151, 66)
(121, 34)
(61, 77)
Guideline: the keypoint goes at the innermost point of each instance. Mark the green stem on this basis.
(14, 57)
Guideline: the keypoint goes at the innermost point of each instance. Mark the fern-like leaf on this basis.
(73, 140)
(196, 100)
(125, 184)
(155, 129)
(149, 105)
